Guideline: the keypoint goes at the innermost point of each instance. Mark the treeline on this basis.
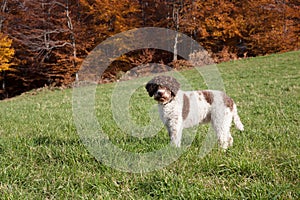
(43, 42)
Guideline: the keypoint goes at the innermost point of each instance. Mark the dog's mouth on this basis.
(160, 98)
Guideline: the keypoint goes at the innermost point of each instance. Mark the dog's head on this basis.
(163, 88)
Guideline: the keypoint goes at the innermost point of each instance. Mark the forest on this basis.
(43, 42)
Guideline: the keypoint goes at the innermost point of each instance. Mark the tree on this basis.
(44, 34)
(6, 53)
(231, 28)
(214, 24)
(50, 38)
(271, 26)
(6, 56)
(3, 7)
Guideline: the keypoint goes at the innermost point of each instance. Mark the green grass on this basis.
(42, 156)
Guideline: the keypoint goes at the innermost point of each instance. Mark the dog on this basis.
(183, 109)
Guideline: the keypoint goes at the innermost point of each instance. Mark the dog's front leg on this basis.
(175, 132)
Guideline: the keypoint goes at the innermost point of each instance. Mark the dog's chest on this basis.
(169, 111)
(187, 108)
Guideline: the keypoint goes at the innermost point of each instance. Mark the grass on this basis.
(42, 156)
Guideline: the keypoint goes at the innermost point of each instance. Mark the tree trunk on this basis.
(176, 20)
(2, 18)
(73, 40)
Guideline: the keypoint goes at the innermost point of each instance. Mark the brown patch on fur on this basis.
(228, 101)
(208, 96)
(186, 107)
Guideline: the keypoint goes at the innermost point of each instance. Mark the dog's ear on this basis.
(151, 88)
(173, 85)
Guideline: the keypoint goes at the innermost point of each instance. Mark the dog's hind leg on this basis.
(221, 125)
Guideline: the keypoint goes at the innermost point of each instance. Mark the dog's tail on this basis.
(236, 119)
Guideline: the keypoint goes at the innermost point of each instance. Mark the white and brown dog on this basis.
(182, 109)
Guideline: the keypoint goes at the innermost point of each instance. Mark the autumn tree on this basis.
(6, 53)
(271, 26)
(42, 34)
(105, 18)
(44, 39)
(231, 29)
(6, 56)
(51, 38)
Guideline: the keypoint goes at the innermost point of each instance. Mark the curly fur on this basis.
(163, 81)
(182, 109)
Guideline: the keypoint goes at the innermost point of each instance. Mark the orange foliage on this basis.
(255, 27)
(51, 38)
(6, 53)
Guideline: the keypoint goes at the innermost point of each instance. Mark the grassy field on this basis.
(42, 156)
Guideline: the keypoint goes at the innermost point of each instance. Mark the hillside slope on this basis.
(42, 156)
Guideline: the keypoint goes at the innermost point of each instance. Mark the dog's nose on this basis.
(160, 93)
